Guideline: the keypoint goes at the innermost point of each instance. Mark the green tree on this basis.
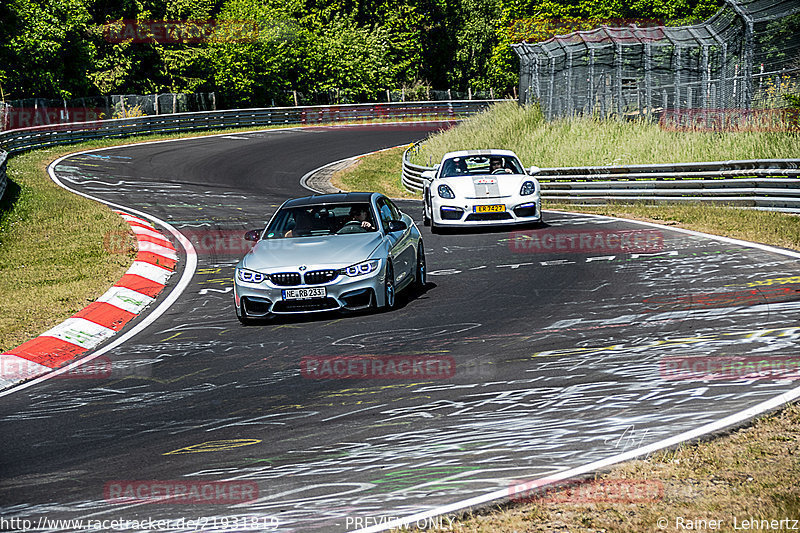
(48, 54)
(263, 67)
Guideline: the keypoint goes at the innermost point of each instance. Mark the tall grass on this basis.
(587, 141)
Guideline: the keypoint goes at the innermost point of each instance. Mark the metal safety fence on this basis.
(43, 136)
(745, 57)
(30, 112)
(772, 184)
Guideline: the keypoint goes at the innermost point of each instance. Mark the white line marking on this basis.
(350, 413)
(732, 420)
(129, 218)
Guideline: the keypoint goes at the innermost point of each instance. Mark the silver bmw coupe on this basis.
(347, 251)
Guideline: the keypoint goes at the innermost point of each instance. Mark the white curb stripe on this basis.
(80, 331)
(126, 299)
(157, 249)
(150, 271)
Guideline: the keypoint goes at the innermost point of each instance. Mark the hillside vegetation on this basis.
(587, 141)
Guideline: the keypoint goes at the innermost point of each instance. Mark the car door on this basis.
(395, 238)
(405, 242)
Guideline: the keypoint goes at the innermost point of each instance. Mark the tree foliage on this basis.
(324, 50)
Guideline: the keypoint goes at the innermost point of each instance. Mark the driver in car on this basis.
(496, 166)
(360, 214)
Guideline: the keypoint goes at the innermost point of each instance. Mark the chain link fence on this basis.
(716, 75)
(33, 112)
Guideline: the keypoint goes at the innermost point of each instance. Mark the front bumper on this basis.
(462, 212)
(344, 292)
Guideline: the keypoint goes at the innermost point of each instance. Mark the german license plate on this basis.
(490, 208)
(304, 294)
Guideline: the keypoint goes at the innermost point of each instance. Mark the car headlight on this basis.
(445, 191)
(359, 269)
(528, 188)
(249, 276)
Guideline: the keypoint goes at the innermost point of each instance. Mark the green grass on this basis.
(586, 141)
(53, 261)
(377, 172)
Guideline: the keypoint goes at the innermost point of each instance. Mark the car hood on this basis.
(334, 250)
(486, 186)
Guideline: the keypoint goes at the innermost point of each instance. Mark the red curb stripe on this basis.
(53, 352)
(140, 219)
(105, 314)
(155, 240)
(48, 351)
(140, 225)
(157, 260)
(140, 284)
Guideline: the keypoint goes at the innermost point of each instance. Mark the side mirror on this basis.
(429, 175)
(436, 166)
(397, 225)
(252, 235)
(534, 170)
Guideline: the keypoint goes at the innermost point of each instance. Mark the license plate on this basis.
(490, 208)
(304, 294)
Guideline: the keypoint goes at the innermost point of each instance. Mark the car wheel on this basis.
(420, 275)
(426, 221)
(389, 290)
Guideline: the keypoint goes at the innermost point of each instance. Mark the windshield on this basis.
(481, 164)
(321, 220)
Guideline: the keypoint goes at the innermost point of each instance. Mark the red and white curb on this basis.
(145, 279)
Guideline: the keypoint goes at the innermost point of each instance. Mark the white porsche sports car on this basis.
(479, 188)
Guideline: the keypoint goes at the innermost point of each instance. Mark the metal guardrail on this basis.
(18, 140)
(758, 183)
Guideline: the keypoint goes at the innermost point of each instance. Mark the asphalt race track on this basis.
(562, 357)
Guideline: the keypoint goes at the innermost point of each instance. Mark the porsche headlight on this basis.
(359, 269)
(528, 188)
(445, 191)
(249, 276)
